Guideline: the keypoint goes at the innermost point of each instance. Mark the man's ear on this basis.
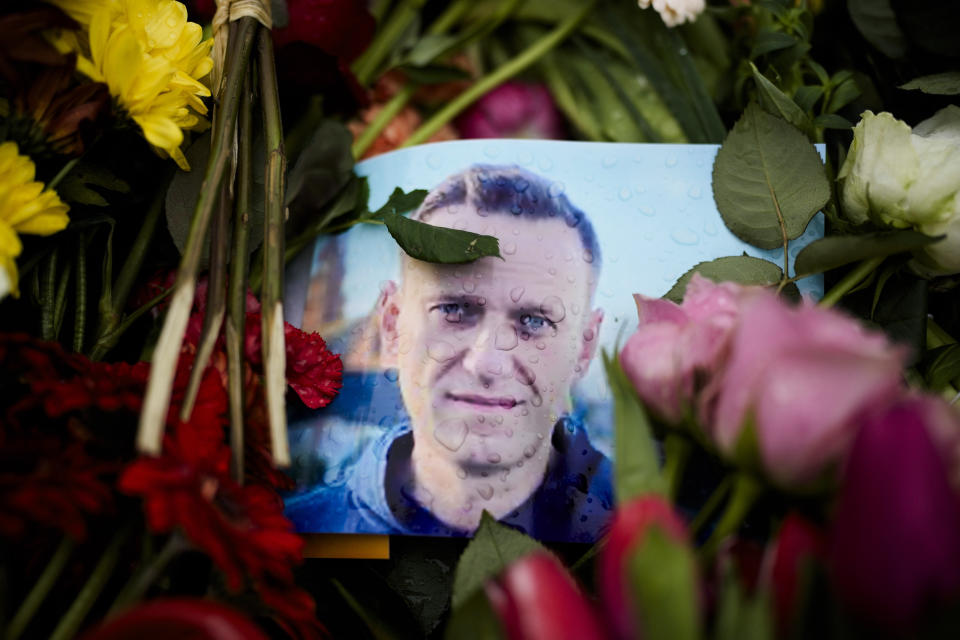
(589, 341)
(388, 309)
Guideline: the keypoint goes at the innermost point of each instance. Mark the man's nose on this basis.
(489, 356)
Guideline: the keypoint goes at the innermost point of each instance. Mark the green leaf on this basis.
(778, 103)
(400, 202)
(944, 366)
(741, 269)
(323, 167)
(429, 47)
(474, 619)
(636, 469)
(831, 252)
(434, 73)
(877, 22)
(740, 617)
(939, 84)
(75, 186)
(807, 96)
(664, 588)
(767, 174)
(439, 244)
(832, 121)
(770, 40)
(493, 548)
(843, 94)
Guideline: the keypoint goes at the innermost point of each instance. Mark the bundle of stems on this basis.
(225, 197)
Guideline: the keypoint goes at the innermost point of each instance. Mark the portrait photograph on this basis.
(480, 386)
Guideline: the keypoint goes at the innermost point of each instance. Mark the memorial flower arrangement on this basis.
(785, 467)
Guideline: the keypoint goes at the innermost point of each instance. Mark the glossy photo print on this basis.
(479, 387)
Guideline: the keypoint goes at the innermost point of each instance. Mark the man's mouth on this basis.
(476, 400)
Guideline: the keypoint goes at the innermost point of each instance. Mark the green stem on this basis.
(106, 342)
(75, 615)
(746, 490)
(80, 308)
(128, 273)
(41, 589)
(48, 300)
(677, 449)
(389, 111)
(499, 75)
(140, 582)
(237, 294)
(60, 304)
(274, 353)
(448, 18)
(937, 336)
(854, 277)
(383, 43)
(67, 168)
(703, 515)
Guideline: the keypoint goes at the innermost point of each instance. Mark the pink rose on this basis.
(513, 110)
(677, 348)
(802, 377)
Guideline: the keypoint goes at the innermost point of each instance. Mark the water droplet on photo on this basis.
(588, 335)
(571, 279)
(485, 491)
(504, 474)
(574, 219)
(498, 419)
(530, 451)
(516, 209)
(685, 236)
(391, 374)
(451, 433)
(710, 228)
(525, 376)
(495, 368)
(480, 418)
(625, 194)
(509, 248)
(588, 256)
(671, 161)
(537, 400)
(440, 351)
(541, 346)
(461, 473)
(516, 293)
(433, 161)
(545, 164)
(469, 286)
(695, 192)
(459, 225)
(481, 301)
(490, 151)
(647, 211)
(552, 309)
(493, 458)
(556, 189)
(505, 337)
(552, 271)
(608, 161)
(533, 359)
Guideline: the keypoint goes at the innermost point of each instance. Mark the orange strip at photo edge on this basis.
(346, 545)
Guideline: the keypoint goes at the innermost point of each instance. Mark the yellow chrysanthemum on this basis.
(24, 208)
(151, 58)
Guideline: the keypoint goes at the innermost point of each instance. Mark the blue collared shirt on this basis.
(573, 503)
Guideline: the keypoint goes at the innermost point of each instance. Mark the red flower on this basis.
(257, 457)
(101, 385)
(341, 28)
(178, 618)
(312, 371)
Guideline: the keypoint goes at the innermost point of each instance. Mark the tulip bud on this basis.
(798, 543)
(631, 522)
(536, 599)
(895, 547)
(513, 110)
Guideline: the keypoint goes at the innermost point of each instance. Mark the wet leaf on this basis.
(740, 269)
(439, 244)
(939, 84)
(835, 251)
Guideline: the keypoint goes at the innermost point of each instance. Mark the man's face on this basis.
(487, 352)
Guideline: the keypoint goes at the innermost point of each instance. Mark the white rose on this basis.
(675, 12)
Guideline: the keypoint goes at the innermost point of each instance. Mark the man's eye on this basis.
(451, 311)
(533, 323)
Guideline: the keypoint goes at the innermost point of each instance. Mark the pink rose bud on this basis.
(895, 548)
(798, 544)
(627, 532)
(513, 110)
(802, 377)
(536, 599)
(678, 347)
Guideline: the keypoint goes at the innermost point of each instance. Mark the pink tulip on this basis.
(536, 599)
(895, 549)
(513, 110)
(798, 544)
(630, 525)
(677, 347)
(802, 377)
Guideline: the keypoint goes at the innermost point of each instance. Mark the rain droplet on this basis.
(537, 400)
(481, 301)
(545, 164)
(520, 185)
(552, 309)
(552, 271)
(710, 228)
(530, 451)
(510, 248)
(685, 236)
(461, 473)
(516, 209)
(556, 189)
(695, 192)
(493, 458)
(671, 161)
(495, 368)
(481, 419)
(490, 151)
(459, 225)
(504, 474)
(505, 338)
(433, 161)
(451, 433)
(588, 335)
(525, 158)
(469, 286)
(485, 491)
(574, 308)
(541, 346)
(516, 293)
(647, 211)
(571, 279)
(533, 359)
(574, 219)
(391, 374)
(440, 351)
(608, 161)
(498, 419)
(588, 256)
(625, 194)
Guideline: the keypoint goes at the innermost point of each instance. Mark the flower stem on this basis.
(138, 584)
(450, 17)
(703, 516)
(367, 64)
(746, 490)
(48, 299)
(854, 277)
(40, 589)
(60, 303)
(499, 75)
(167, 351)
(236, 304)
(80, 306)
(677, 449)
(67, 168)
(380, 122)
(75, 615)
(271, 298)
(128, 273)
